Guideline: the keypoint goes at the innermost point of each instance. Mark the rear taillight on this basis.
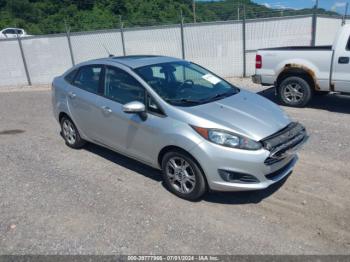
(258, 62)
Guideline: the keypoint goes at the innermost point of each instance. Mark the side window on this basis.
(9, 31)
(70, 77)
(348, 46)
(88, 78)
(122, 87)
(153, 107)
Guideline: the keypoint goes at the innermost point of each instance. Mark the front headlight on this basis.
(224, 138)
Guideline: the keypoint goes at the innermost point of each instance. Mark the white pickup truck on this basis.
(300, 72)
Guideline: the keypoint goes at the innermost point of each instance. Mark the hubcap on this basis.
(293, 93)
(181, 175)
(69, 132)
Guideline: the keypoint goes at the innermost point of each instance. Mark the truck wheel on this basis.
(295, 91)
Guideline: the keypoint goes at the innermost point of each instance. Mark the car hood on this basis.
(245, 113)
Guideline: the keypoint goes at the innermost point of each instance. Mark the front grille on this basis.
(284, 142)
(277, 173)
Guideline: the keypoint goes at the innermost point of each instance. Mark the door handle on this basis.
(344, 60)
(106, 110)
(72, 95)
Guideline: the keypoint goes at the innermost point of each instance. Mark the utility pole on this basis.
(194, 11)
(346, 13)
(314, 24)
(316, 4)
(238, 11)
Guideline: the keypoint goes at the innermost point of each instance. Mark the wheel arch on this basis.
(298, 71)
(171, 148)
(64, 114)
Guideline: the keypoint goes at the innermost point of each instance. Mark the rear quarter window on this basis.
(88, 78)
(70, 77)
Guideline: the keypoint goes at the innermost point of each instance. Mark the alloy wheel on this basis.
(69, 132)
(293, 93)
(181, 175)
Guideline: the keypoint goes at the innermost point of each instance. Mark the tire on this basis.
(295, 91)
(184, 181)
(71, 134)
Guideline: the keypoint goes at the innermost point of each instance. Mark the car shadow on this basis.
(333, 102)
(124, 161)
(245, 197)
(152, 173)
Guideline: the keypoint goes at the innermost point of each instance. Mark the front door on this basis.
(114, 125)
(341, 73)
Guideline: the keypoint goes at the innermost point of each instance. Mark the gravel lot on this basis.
(55, 200)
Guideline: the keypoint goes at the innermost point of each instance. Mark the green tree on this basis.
(50, 16)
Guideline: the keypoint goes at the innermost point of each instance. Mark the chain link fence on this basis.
(227, 48)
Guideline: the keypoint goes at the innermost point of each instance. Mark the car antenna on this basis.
(107, 51)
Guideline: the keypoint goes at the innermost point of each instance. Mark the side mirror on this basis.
(134, 107)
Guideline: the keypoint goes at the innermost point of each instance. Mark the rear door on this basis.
(82, 95)
(341, 73)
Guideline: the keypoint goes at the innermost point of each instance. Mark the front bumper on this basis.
(275, 177)
(213, 158)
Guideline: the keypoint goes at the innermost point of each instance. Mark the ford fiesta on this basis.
(201, 131)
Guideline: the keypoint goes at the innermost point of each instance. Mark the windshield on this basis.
(185, 84)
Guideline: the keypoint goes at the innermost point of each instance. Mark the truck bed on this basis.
(317, 59)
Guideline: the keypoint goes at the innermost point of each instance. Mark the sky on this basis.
(335, 5)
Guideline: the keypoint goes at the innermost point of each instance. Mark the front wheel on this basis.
(183, 176)
(295, 91)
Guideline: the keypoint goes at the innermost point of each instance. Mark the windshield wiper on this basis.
(217, 96)
(201, 101)
(183, 100)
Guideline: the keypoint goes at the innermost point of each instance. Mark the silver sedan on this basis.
(201, 131)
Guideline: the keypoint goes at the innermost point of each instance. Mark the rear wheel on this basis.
(295, 91)
(71, 134)
(183, 176)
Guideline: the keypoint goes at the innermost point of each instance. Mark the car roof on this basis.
(12, 28)
(135, 61)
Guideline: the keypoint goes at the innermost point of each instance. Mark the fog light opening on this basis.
(235, 177)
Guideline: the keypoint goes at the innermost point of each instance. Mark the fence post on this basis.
(121, 25)
(182, 37)
(345, 14)
(69, 44)
(314, 25)
(244, 43)
(24, 61)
